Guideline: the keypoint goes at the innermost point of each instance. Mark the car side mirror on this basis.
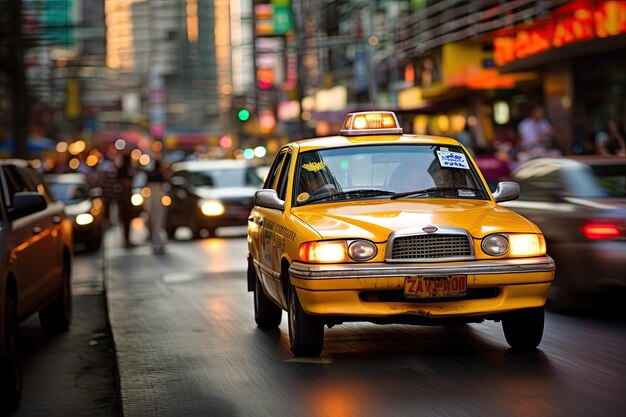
(506, 191)
(25, 203)
(268, 199)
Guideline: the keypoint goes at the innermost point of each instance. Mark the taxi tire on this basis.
(57, 316)
(523, 330)
(306, 333)
(10, 367)
(267, 315)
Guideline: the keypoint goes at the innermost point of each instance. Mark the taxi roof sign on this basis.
(371, 123)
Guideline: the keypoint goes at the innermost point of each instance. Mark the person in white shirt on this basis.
(535, 134)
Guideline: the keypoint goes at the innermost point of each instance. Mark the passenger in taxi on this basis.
(410, 176)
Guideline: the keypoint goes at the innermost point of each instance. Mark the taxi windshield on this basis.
(385, 171)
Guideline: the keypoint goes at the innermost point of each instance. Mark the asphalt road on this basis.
(72, 374)
(187, 345)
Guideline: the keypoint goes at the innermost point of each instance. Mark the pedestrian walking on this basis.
(156, 208)
(125, 174)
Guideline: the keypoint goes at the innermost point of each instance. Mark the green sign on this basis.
(57, 18)
(282, 19)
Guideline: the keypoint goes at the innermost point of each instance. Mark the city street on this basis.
(187, 345)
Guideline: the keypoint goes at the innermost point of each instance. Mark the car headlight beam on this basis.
(84, 219)
(136, 200)
(527, 245)
(325, 251)
(211, 207)
(514, 245)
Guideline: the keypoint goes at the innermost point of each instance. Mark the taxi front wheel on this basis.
(523, 330)
(306, 333)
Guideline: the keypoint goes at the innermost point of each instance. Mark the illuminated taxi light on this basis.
(371, 123)
(166, 200)
(212, 208)
(526, 245)
(601, 231)
(323, 252)
(360, 122)
(136, 200)
(84, 219)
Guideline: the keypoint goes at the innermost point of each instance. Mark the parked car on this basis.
(580, 205)
(35, 266)
(374, 225)
(208, 194)
(83, 205)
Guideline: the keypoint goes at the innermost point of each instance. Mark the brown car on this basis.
(35, 267)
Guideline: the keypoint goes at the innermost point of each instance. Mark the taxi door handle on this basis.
(260, 222)
(56, 219)
(37, 230)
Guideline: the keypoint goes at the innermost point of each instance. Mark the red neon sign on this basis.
(576, 22)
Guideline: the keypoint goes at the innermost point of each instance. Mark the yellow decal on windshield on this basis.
(314, 166)
(302, 197)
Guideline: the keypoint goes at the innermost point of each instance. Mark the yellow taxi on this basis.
(375, 225)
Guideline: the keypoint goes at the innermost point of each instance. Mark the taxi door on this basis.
(271, 233)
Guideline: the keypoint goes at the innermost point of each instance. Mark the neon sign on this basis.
(575, 22)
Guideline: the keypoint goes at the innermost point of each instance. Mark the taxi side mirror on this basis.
(268, 199)
(506, 191)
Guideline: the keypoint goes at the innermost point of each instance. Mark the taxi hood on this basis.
(375, 220)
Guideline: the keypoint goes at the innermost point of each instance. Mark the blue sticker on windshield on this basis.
(452, 160)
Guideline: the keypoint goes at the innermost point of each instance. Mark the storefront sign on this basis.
(575, 22)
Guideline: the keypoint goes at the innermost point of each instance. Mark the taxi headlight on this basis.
(136, 200)
(329, 251)
(84, 219)
(211, 207)
(362, 250)
(495, 245)
(527, 245)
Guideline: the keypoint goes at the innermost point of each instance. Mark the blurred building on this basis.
(191, 56)
(449, 66)
(492, 61)
(58, 48)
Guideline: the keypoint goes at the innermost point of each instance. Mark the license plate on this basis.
(435, 287)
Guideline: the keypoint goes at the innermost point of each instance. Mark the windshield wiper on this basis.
(431, 190)
(366, 192)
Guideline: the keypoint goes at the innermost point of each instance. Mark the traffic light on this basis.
(243, 114)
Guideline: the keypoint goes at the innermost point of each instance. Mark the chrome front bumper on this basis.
(373, 270)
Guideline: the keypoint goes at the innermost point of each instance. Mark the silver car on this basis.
(580, 205)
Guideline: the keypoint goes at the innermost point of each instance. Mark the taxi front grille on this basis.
(430, 246)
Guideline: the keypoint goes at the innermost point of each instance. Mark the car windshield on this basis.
(226, 177)
(386, 171)
(69, 192)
